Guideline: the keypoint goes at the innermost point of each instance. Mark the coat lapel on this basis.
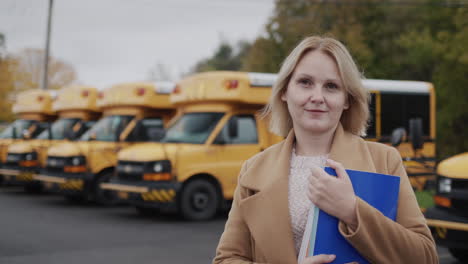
(266, 211)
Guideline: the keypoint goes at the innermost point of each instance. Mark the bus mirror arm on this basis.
(416, 133)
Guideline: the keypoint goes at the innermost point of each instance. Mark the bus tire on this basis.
(199, 200)
(460, 254)
(104, 197)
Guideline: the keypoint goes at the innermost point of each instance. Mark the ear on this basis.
(346, 104)
(283, 95)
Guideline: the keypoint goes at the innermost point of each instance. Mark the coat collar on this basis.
(267, 211)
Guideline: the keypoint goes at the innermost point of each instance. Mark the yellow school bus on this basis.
(132, 112)
(448, 219)
(403, 114)
(33, 109)
(77, 112)
(194, 168)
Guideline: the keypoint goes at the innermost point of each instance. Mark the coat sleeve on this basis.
(235, 244)
(381, 240)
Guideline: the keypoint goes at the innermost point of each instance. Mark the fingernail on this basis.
(331, 257)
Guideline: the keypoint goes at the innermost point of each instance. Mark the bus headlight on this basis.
(445, 185)
(29, 156)
(77, 161)
(161, 171)
(29, 160)
(76, 164)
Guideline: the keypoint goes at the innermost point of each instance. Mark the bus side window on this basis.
(153, 128)
(398, 109)
(148, 129)
(41, 127)
(246, 132)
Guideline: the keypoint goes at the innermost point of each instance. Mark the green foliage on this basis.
(422, 40)
(226, 58)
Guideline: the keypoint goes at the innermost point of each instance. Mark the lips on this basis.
(315, 111)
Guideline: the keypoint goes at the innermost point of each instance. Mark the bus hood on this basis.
(145, 152)
(21, 147)
(454, 167)
(69, 149)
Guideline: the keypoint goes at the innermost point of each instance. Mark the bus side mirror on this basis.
(233, 126)
(398, 136)
(416, 133)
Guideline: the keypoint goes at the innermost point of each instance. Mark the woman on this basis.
(319, 103)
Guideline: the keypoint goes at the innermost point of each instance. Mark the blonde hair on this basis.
(354, 119)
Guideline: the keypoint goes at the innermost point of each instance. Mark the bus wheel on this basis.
(199, 200)
(104, 197)
(460, 254)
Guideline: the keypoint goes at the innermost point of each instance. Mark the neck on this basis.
(308, 144)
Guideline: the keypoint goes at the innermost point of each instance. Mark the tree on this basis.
(29, 71)
(418, 40)
(7, 66)
(226, 57)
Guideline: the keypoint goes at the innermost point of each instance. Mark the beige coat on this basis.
(259, 226)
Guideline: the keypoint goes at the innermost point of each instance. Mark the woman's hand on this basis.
(319, 259)
(334, 195)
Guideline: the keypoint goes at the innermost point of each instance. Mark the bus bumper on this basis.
(162, 195)
(64, 183)
(448, 229)
(15, 175)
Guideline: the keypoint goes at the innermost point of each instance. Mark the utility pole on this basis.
(46, 56)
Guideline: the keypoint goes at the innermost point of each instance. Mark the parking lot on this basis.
(47, 229)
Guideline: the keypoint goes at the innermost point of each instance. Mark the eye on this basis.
(331, 86)
(304, 81)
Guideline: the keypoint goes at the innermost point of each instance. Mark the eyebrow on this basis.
(302, 74)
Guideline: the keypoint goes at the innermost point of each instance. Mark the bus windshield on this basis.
(107, 129)
(60, 128)
(193, 128)
(19, 126)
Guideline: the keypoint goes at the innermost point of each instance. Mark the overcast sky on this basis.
(112, 41)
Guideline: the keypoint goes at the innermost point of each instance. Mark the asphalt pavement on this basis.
(36, 229)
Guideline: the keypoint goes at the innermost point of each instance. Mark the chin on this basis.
(318, 128)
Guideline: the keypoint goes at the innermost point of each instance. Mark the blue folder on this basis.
(379, 190)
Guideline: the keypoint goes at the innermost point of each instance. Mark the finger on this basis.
(317, 172)
(340, 170)
(319, 259)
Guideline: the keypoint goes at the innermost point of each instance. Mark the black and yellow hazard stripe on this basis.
(25, 177)
(159, 195)
(72, 185)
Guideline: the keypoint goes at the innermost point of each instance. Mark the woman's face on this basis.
(315, 94)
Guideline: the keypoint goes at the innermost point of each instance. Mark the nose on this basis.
(316, 95)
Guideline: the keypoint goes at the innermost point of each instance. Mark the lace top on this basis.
(299, 203)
